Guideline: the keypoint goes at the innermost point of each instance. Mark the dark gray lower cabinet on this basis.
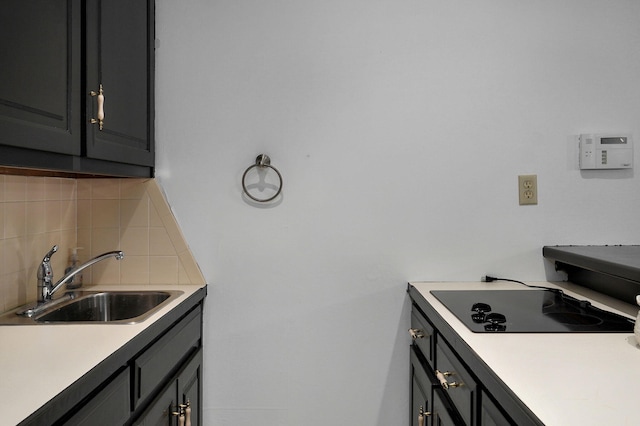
(111, 406)
(422, 384)
(156, 363)
(490, 414)
(450, 384)
(444, 412)
(461, 387)
(154, 375)
(167, 379)
(180, 396)
(430, 405)
(182, 386)
(189, 386)
(161, 410)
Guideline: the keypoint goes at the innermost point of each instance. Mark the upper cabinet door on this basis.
(40, 75)
(120, 61)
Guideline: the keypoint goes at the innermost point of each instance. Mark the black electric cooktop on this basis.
(529, 311)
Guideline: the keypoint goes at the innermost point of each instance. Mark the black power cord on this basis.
(489, 278)
(577, 303)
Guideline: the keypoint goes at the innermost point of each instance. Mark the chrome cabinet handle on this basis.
(100, 101)
(416, 333)
(442, 377)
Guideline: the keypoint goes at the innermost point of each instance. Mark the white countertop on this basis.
(564, 378)
(37, 362)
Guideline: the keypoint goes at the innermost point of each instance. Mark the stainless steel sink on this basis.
(112, 307)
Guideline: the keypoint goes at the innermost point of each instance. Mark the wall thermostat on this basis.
(606, 151)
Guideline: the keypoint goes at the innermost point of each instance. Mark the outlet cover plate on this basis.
(528, 189)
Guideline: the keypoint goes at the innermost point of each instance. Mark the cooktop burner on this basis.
(529, 311)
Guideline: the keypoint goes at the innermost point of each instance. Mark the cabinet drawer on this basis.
(423, 335)
(157, 362)
(109, 407)
(461, 388)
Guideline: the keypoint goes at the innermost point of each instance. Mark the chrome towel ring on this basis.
(262, 162)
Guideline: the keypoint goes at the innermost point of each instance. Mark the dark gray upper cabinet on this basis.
(40, 76)
(120, 37)
(57, 54)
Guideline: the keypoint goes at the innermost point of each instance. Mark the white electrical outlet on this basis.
(528, 189)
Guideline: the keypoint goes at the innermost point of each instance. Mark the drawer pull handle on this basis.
(416, 333)
(442, 377)
(100, 101)
(421, 416)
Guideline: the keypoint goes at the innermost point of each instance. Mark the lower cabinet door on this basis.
(160, 412)
(181, 397)
(444, 413)
(111, 406)
(422, 384)
(490, 414)
(420, 405)
(152, 367)
(190, 389)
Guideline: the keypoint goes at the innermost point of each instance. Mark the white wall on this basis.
(400, 127)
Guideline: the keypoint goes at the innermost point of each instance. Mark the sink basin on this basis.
(107, 307)
(112, 307)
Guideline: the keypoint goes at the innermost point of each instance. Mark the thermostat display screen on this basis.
(612, 141)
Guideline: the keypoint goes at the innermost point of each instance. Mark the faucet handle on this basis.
(45, 272)
(47, 257)
(45, 276)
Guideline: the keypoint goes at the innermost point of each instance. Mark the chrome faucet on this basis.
(72, 273)
(46, 288)
(45, 276)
